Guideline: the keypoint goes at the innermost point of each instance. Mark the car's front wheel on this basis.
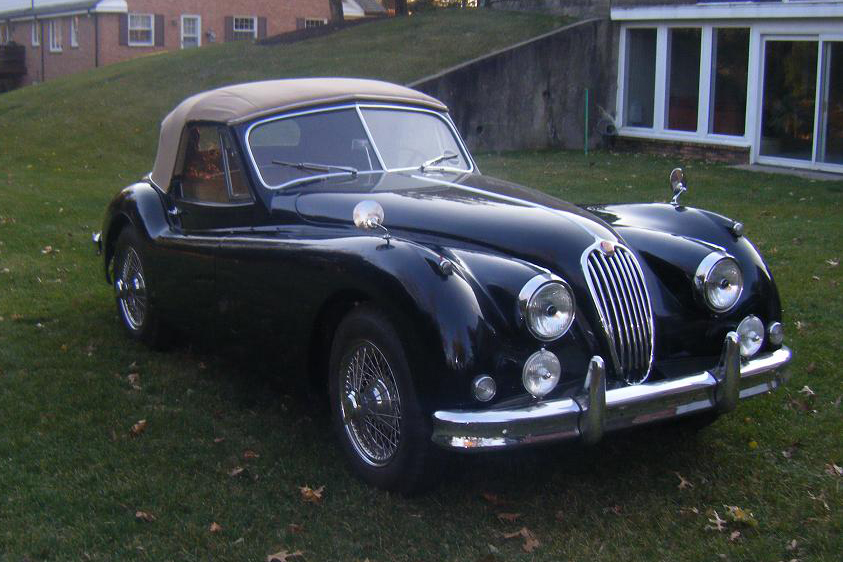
(376, 413)
(131, 289)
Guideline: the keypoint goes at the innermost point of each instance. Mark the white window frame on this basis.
(254, 29)
(36, 33)
(56, 39)
(74, 31)
(322, 21)
(151, 29)
(198, 29)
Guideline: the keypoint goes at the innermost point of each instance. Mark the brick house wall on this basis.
(42, 63)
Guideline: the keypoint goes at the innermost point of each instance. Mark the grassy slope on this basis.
(71, 478)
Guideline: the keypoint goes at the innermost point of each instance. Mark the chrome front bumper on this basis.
(598, 410)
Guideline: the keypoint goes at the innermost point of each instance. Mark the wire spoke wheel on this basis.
(370, 404)
(131, 289)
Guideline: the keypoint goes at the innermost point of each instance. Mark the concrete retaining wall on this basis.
(532, 95)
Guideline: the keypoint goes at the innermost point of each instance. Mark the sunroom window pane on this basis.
(833, 133)
(641, 77)
(731, 60)
(684, 85)
(790, 86)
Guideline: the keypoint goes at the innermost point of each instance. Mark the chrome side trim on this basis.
(599, 410)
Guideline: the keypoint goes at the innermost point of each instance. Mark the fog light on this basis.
(541, 373)
(751, 331)
(775, 331)
(484, 388)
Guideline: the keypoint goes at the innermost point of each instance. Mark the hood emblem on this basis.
(607, 247)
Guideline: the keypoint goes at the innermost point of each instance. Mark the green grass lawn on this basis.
(72, 477)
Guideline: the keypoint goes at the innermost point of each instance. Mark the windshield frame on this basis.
(358, 107)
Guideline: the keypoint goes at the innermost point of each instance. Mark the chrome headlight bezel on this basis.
(530, 291)
(703, 279)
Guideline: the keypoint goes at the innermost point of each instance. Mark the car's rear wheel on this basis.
(377, 417)
(131, 289)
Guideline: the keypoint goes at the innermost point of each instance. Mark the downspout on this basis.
(43, 48)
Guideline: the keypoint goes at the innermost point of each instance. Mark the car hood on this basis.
(468, 209)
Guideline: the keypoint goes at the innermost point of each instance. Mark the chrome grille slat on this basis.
(620, 295)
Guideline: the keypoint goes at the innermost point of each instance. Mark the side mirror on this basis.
(368, 215)
(678, 185)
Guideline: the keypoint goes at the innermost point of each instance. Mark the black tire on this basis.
(132, 290)
(408, 462)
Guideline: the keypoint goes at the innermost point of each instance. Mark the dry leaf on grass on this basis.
(820, 499)
(310, 495)
(734, 536)
(219, 439)
(717, 524)
(283, 556)
(740, 515)
(833, 470)
(138, 428)
(215, 527)
(530, 541)
(683, 483)
(249, 455)
(493, 499)
(792, 545)
(806, 390)
(507, 517)
(238, 470)
(144, 516)
(295, 528)
(833, 262)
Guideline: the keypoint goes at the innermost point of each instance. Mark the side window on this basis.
(203, 171)
(237, 182)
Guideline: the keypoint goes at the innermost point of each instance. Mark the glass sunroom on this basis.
(764, 76)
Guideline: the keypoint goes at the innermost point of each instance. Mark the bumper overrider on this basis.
(598, 410)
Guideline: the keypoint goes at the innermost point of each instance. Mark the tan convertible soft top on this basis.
(243, 102)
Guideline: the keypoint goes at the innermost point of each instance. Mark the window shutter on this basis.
(159, 30)
(229, 28)
(299, 23)
(261, 28)
(124, 30)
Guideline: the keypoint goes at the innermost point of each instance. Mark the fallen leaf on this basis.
(735, 535)
(833, 470)
(133, 378)
(792, 545)
(815, 277)
(740, 515)
(616, 509)
(144, 516)
(63, 348)
(806, 390)
(689, 511)
(683, 483)
(530, 541)
(237, 471)
(717, 524)
(820, 499)
(811, 368)
(507, 517)
(833, 262)
(493, 499)
(753, 444)
(249, 455)
(283, 556)
(310, 495)
(295, 528)
(800, 325)
(202, 366)
(219, 439)
(47, 250)
(138, 428)
(215, 527)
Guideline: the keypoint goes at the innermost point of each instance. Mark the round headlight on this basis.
(775, 331)
(541, 373)
(484, 388)
(720, 280)
(547, 306)
(751, 331)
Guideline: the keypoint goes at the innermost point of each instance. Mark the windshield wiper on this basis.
(310, 166)
(432, 163)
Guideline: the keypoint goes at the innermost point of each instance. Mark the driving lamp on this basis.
(751, 331)
(541, 373)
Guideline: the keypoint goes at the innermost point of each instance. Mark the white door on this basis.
(191, 32)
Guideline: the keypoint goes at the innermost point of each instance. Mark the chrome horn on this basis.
(368, 215)
(677, 183)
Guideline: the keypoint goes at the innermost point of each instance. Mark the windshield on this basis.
(408, 139)
(314, 145)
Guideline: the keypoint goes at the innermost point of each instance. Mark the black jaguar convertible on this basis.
(344, 224)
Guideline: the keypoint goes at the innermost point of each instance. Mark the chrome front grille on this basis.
(620, 294)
